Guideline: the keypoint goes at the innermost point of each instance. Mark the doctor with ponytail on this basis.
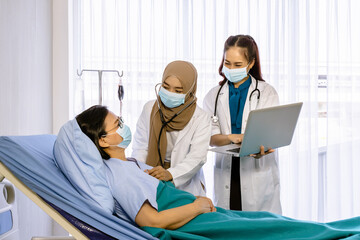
(247, 183)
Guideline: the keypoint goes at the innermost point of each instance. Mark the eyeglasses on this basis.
(119, 125)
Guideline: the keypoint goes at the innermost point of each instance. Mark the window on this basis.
(308, 52)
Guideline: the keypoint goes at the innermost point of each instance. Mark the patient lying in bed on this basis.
(156, 206)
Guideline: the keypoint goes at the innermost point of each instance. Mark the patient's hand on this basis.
(160, 173)
(204, 204)
(262, 152)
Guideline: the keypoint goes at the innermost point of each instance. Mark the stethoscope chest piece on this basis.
(215, 119)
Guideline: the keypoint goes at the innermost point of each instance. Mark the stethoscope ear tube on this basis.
(255, 90)
(215, 118)
(158, 143)
(164, 123)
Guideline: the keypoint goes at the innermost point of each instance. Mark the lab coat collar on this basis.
(187, 128)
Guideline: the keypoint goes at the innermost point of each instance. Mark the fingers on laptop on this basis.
(262, 152)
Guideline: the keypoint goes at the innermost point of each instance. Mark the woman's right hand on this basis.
(218, 140)
(236, 138)
(204, 205)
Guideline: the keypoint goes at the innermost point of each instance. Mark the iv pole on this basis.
(100, 72)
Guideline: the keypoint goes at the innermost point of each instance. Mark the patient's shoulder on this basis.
(141, 165)
(132, 169)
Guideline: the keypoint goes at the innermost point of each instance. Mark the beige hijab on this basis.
(187, 75)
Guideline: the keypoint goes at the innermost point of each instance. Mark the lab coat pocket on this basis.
(260, 163)
(264, 188)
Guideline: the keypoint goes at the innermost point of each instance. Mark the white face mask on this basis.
(235, 75)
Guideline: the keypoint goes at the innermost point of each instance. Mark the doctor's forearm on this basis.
(219, 140)
(180, 176)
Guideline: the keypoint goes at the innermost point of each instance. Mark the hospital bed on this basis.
(28, 163)
(8, 211)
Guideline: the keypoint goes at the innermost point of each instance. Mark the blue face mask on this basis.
(170, 99)
(125, 133)
(235, 75)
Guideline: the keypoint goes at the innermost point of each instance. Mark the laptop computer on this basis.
(271, 127)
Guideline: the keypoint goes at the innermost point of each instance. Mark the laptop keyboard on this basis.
(235, 150)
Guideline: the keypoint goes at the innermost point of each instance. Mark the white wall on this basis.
(26, 96)
(25, 67)
(63, 68)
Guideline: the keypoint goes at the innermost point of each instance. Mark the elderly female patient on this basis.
(166, 212)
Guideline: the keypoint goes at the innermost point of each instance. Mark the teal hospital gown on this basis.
(131, 187)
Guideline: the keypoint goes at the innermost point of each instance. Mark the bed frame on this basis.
(75, 232)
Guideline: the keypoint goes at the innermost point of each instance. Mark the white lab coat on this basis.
(189, 151)
(260, 183)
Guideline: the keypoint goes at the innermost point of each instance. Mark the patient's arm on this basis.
(175, 217)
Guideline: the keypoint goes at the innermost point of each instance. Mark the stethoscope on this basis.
(215, 118)
(164, 122)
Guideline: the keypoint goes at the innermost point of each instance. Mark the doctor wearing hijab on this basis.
(247, 183)
(173, 132)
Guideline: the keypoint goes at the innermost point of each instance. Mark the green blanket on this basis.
(226, 224)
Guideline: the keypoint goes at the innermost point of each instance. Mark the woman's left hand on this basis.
(160, 173)
(262, 152)
(212, 207)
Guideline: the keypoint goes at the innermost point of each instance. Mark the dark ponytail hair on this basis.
(91, 122)
(251, 53)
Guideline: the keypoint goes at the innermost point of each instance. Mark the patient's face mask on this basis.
(125, 132)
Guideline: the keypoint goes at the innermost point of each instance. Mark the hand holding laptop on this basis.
(262, 152)
(237, 138)
(269, 128)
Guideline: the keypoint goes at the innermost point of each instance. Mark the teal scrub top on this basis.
(237, 100)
